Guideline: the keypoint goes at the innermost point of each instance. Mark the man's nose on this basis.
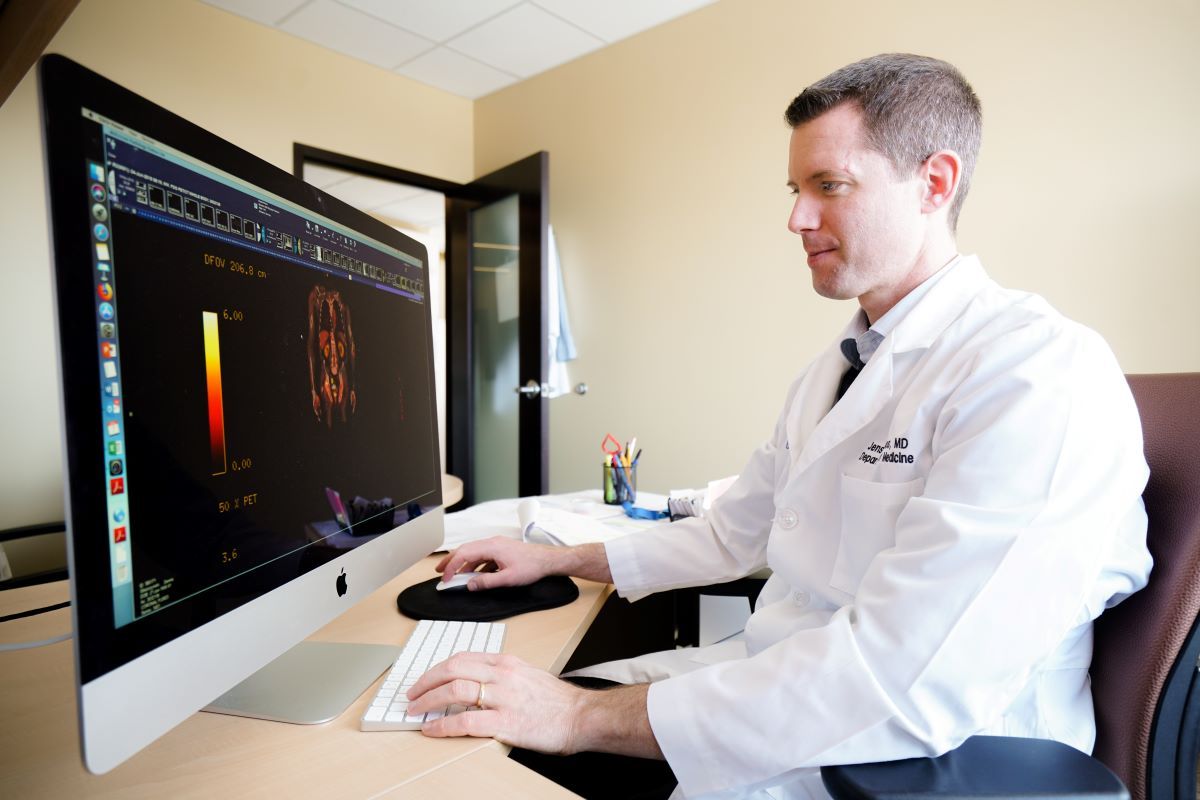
(804, 216)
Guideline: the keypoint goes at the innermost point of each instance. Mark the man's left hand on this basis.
(522, 706)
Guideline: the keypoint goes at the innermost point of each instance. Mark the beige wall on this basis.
(259, 89)
(691, 302)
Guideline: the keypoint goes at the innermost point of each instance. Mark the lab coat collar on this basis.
(812, 421)
(939, 307)
(819, 427)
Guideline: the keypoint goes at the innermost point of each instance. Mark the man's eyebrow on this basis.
(829, 173)
(824, 174)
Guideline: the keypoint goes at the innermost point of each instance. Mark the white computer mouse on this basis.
(456, 583)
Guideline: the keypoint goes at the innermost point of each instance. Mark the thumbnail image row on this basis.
(164, 200)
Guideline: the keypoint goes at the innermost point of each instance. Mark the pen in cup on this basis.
(620, 473)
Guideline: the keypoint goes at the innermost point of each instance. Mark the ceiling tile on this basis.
(367, 193)
(490, 44)
(268, 12)
(324, 177)
(438, 20)
(525, 41)
(616, 19)
(355, 34)
(453, 72)
(423, 209)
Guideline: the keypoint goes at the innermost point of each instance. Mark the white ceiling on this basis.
(467, 47)
(417, 212)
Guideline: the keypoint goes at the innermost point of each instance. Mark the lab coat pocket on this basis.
(869, 513)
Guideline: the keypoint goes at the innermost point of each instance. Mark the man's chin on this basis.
(832, 291)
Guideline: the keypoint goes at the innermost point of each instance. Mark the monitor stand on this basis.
(313, 682)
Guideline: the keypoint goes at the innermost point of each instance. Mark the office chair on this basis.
(1144, 667)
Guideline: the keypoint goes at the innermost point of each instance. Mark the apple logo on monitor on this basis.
(341, 582)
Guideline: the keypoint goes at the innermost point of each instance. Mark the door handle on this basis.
(533, 389)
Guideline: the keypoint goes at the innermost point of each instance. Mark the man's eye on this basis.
(831, 187)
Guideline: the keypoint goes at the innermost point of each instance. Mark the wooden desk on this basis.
(214, 755)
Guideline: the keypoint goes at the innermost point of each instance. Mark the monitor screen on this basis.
(248, 402)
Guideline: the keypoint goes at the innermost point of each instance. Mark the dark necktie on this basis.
(850, 351)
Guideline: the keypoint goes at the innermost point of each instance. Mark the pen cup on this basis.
(620, 484)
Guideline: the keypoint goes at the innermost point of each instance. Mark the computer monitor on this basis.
(248, 403)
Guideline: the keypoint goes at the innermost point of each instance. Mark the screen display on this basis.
(264, 396)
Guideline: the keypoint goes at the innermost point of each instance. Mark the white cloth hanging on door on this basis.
(559, 342)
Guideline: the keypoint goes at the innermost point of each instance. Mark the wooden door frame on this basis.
(529, 177)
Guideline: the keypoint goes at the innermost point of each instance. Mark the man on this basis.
(943, 521)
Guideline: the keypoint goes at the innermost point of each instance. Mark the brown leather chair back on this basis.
(1144, 664)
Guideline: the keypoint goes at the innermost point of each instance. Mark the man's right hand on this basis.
(507, 562)
(503, 562)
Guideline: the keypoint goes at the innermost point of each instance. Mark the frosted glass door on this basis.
(495, 340)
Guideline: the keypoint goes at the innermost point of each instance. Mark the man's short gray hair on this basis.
(912, 107)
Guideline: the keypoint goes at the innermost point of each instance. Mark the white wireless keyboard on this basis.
(432, 642)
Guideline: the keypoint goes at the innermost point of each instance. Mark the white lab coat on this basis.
(941, 541)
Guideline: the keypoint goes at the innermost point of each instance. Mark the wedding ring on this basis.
(479, 700)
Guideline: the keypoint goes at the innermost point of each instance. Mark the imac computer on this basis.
(248, 404)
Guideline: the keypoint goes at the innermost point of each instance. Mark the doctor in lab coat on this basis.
(941, 535)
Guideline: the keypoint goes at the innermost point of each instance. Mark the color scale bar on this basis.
(216, 404)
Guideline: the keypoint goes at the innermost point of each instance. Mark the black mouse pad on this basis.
(424, 601)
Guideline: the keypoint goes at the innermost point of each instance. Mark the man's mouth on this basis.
(815, 254)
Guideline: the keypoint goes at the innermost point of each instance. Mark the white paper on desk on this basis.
(545, 525)
(501, 518)
(702, 499)
(493, 518)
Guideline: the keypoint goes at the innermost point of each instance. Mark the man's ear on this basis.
(940, 175)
